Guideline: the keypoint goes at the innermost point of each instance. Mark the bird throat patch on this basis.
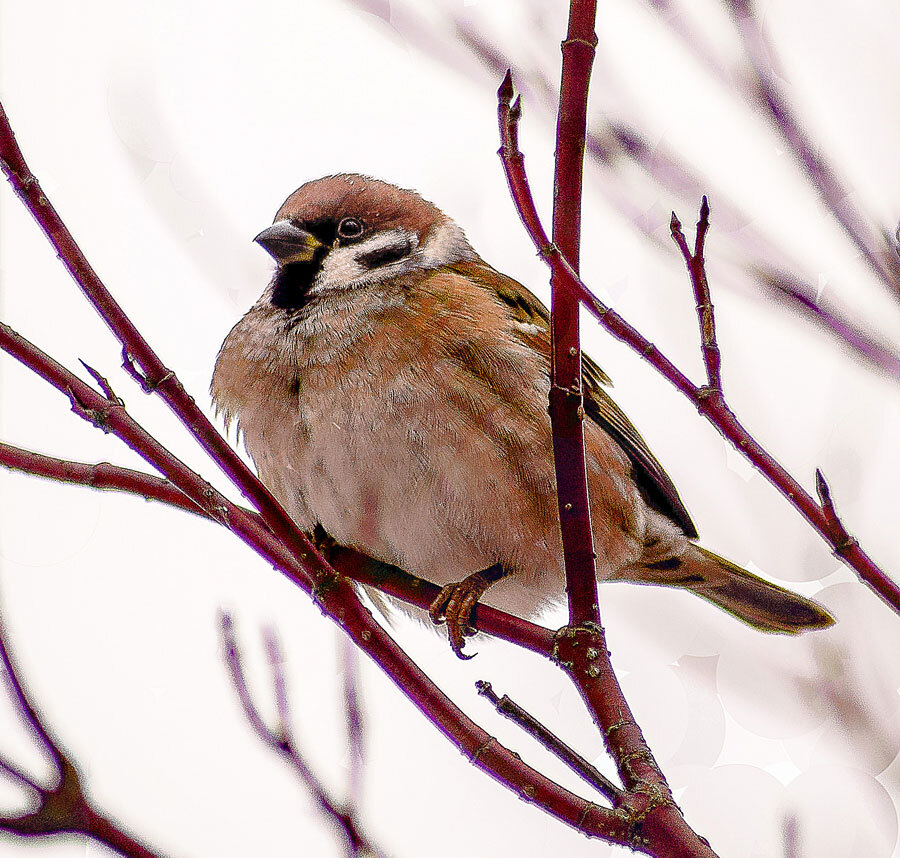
(292, 282)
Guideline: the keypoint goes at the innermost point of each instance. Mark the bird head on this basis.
(348, 231)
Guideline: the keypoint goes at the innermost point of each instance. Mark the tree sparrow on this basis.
(392, 388)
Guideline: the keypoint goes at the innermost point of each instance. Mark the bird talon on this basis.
(454, 604)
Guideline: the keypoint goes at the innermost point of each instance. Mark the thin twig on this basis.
(705, 312)
(283, 544)
(713, 408)
(578, 764)
(23, 704)
(334, 594)
(830, 318)
(839, 201)
(140, 359)
(354, 716)
(62, 808)
(790, 832)
(605, 149)
(281, 738)
(102, 476)
(348, 563)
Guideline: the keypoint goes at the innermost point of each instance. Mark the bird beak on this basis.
(287, 243)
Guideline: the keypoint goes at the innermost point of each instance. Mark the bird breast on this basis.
(411, 427)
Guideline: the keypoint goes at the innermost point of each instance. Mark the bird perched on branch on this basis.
(392, 388)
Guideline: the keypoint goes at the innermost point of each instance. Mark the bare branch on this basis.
(349, 563)
(153, 375)
(282, 740)
(354, 715)
(62, 808)
(696, 265)
(28, 712)
(831, 318)
(712, 407)
(566, 397)
(102, 475)
(769, 96)
(769, 267)
(334, 594)
(578, 764)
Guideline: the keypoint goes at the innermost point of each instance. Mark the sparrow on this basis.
(391, 388)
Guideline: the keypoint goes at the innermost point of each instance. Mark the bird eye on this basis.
(350, 227)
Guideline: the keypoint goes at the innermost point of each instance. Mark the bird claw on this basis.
(455, 604)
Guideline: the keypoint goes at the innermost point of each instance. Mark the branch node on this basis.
(146, 384)
(708, 396)
(480, 750)
(841, 540)
(591, 43)
(99, 417)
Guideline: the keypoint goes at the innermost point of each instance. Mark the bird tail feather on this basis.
(752, 600)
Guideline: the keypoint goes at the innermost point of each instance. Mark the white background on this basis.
(167, 135)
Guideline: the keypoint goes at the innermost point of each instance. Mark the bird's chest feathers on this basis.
(353, 434)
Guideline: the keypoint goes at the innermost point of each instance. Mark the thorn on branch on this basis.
(841, 539)
(702, 228)
(505, 92)
(99, 417)
(105, 386)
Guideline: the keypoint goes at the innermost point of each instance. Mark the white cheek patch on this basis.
(384, 255)
(446, 244)
(389, 254)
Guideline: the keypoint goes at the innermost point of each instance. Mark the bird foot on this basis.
(455, 604)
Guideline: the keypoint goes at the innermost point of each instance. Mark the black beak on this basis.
(287, 243)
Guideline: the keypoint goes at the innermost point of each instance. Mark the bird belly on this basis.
(394, 468)
(388, 467)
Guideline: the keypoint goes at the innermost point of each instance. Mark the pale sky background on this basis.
(167, 135)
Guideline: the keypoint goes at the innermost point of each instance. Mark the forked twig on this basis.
(696, 266)
(707, 400)
(63, 808)
(281, 737)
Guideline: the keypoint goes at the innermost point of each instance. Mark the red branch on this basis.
(102, 475)
(566, 397)
(606, 148)
(284, 545)
(63, 808)
(281, 737)
(708, 401)
(334, 595)
(696, 266)
(156, 376)
(654, 820)
(348, 563)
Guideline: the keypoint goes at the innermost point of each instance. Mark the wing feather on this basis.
(531, 324)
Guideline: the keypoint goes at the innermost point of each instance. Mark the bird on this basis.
(391, 388)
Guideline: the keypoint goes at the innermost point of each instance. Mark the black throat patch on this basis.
(292, 282)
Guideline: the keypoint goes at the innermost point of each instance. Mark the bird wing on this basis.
(533, 328)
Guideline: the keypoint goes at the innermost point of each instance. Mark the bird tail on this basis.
(752, 600)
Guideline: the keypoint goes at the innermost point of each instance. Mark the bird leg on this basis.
(456, 602)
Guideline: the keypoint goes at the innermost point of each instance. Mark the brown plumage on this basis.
(392, 388)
